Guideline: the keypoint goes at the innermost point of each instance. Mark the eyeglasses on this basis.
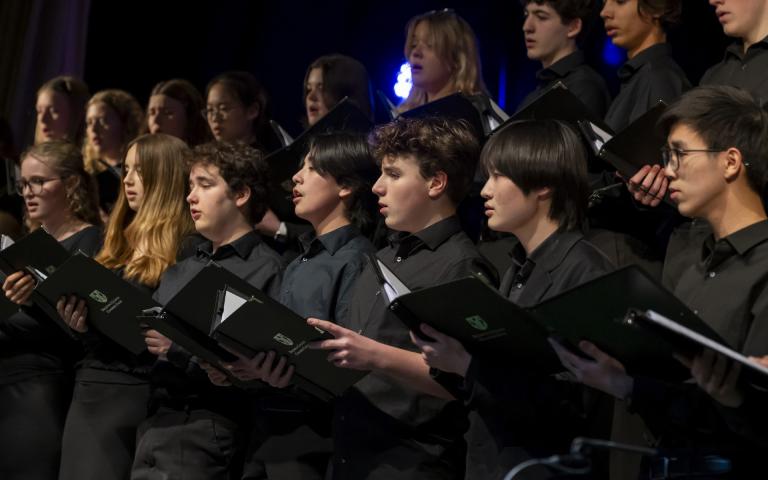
(222, 111)
(670, 157)
(35, 184)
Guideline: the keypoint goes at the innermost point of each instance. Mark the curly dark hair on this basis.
(567, 9)
(66, 160)
(669, 11)
(241, 166)
(437, 144)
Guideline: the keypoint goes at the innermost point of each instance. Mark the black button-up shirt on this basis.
(648, 77)
(181, 381)
(319, 283)
(382, 429)
(515, 415)
(581, 79)
(744, 70)
(728, 288)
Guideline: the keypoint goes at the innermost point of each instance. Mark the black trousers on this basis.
(100, 432)
(186, 444)
(32, 414)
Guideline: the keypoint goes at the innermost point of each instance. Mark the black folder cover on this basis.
(457, 106)
(35, 252)
(262, 324)
(345, 116)
(597, 311)
(113, 303)
(482, 320)
(558, 103)
(634, 147)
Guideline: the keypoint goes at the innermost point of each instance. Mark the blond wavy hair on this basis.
(131, 116)
(456, 45)
(145, 243)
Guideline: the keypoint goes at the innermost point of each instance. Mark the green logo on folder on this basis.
(283, 339)
(98, 296)
(477, 322)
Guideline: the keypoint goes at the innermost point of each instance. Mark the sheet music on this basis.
(232, 302)
(601, 136)
(701, 339)
(393, 287)
(5, 241)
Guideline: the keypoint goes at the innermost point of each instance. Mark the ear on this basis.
(242, 196)
(574, 28)
(437, 184)
(345, 193)
(543, 193)
(734, 163)
(253, 111)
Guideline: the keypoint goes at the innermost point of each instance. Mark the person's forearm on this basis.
(408, 368)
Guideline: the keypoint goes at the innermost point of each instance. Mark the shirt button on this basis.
(343, 460)
(399, 259)
(711, 274)
(303, 259)
(519, 285)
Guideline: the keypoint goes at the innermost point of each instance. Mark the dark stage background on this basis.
(132, 45)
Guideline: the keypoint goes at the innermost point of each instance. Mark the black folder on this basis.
(38, 253)
(113, 303)
(558, 103)
(634, 147)
(597, 311)
(457, 106)
(474, 313)
(196, 319)
(690, 342)
(285, 162)
(252, 322)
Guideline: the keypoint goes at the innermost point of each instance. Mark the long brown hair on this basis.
(145, 243)
(76, 92)
(456, 45)
(185, 93)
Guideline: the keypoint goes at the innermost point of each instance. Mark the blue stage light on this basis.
(403, 86)
(612, 55)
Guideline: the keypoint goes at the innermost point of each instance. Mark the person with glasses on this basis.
(174, 108)
(716, 162)
(113, 118)
(36, 357)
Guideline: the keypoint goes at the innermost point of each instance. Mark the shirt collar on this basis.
(738, 243)
(654, 52)
(241, 247)
(561, 68)
(548, 255)
(332, 242)
(406, 244)
(736, 49)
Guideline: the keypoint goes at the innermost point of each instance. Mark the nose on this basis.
(487, 191)
(192, 197)
(528, 24)
(297, 179)
(378, 187)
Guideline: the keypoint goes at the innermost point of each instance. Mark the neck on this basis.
(62, 226)
(229, 235)
(437, 214)
(736, 211)
(443, 91)
(111, 158)
(534, 234)
(654, 38)
(559, 55)
(331, 222)
(757, 34)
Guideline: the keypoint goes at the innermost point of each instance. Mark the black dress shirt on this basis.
(648, 77)
(581, 79)
(319, 283)
(30, 343)
(180, 382)
(516, 415)
(748, 71)
(728, 288)
(382, 429)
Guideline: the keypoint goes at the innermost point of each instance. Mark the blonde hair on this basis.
(456, 45)
(76, 92)
(162, 221)
(131, 117)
